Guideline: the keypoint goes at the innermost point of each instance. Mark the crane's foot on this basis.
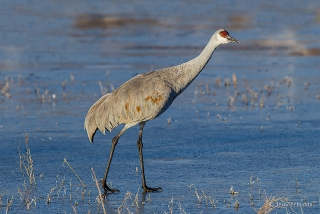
(107, 189)
(149, 189)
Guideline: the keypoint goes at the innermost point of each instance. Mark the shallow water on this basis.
(64, 49)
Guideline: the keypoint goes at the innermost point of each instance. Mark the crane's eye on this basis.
(224, 34)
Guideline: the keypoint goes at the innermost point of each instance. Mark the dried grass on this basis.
(66, 162)
(269, 205)
(26, 164)
(100, 195)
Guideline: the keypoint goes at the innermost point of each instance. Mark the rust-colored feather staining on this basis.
(138, 108)
(154, 100)
(126, 106)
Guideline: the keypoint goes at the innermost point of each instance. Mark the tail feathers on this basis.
(107, 115)
(92, 123)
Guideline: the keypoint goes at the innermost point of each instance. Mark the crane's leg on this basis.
(113, 145)
(140, 146)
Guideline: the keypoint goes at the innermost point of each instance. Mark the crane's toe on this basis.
(107, 189)
(110, 190)
(149, 189)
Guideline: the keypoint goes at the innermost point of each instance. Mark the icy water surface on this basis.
(245, 130)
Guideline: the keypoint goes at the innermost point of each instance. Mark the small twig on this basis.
(100, 195)
(136, 199)
(48, 196)
(212, 202)
(74, 210)
(198, 196)
(9, 202)
(61, 185)
(205, 197)
(1, 195)
(180, 208)
(65, 161)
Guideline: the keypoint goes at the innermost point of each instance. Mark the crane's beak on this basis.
(231, 39)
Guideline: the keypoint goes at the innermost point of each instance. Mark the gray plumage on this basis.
(142, 98)
(146, 96)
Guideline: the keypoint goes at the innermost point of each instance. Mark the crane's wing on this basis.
(90, 122)
(141, 98)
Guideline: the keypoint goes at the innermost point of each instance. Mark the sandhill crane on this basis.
(145, 97)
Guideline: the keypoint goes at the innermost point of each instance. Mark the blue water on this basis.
(210, 144)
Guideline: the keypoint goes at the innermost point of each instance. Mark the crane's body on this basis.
(145, 97)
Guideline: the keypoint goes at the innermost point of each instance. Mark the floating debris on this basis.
(227, 82)
(234, 80)
(217, 82)
(102, 21)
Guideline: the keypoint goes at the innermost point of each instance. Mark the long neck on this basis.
(182, 75)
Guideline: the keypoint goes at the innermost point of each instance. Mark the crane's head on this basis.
(223, 37)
